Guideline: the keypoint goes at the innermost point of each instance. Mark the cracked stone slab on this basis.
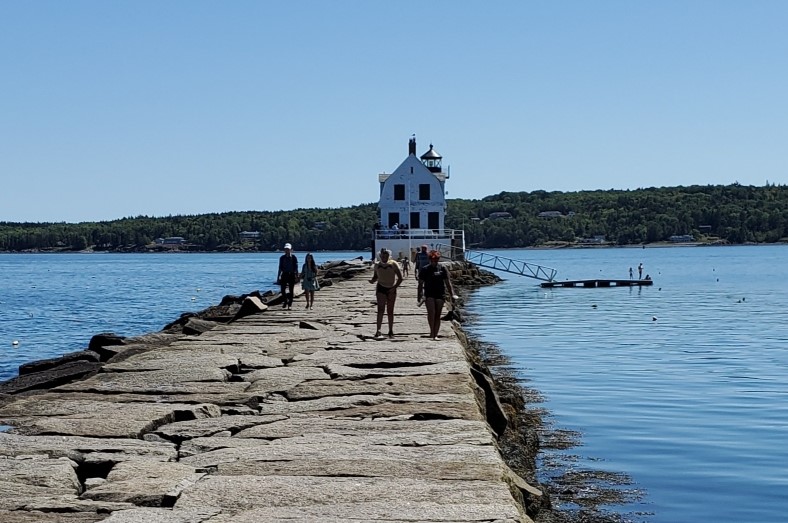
(374, 432)
(44, 415)
(24, 475)
(278, 349)
(199, 446)
(186, 430)
(415, 512)
(25, 516)
(330, 458)
(163, 515)
(144, 483)
(281, 379)
(446, 406)
(176, 381)
(210, 355)
(353, 498)
(419, 384)
(379, 358)
(340, 371)
(85, 450)
(170, 358)
(43, 485)
(226, 400)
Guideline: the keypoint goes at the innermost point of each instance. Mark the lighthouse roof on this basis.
(432, 154)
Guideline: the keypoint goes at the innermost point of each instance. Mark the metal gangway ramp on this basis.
(501, 263)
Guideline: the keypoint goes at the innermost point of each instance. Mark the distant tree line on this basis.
(730, 214)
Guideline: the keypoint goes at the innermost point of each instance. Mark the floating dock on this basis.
(589, 284)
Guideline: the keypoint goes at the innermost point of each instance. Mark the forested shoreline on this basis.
(730, 214)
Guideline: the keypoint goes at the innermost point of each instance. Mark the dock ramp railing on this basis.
(500, 263)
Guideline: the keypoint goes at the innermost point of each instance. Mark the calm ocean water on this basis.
(683, 386)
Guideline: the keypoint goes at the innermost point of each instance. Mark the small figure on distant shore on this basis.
(434, 281)
(421, 260)
(640, 271)
(309, 280)
(631, 273)
(287, 275)
(388, 277)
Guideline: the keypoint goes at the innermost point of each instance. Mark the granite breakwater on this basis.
(248, 412)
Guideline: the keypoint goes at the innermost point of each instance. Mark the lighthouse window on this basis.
(424, 191)
(399, 191)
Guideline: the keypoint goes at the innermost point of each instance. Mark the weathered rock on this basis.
(34, 516)
(420, 406)
(420, 384)
(42, 365)
(280, 379)
(352, 457)
(184, 430)
(339, 371)
(144, 483)
(53, 377)
(250, 305)
(21, 476)
(174, 358)
(300, 428)
(40, 415)
(367, 499)
(161, 515)
(493, 410)
(85, 450)
(176, 381)
(386, 356)
(105, 339)
(196, 326)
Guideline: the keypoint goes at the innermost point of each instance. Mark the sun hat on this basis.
(424, 247)
(288, 246)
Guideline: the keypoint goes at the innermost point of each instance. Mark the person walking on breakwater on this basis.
(309, 280)
(287, 275)
(388, 277)
(434, 281)
(405, 266)
(422, 259)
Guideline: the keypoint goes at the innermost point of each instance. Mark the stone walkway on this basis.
(280, 416)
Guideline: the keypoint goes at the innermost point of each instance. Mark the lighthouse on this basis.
(412, 205)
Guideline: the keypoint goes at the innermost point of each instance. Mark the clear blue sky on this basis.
(111, 109)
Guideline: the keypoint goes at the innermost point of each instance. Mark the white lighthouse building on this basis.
(413, 207)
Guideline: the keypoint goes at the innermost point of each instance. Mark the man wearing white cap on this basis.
(287, 275)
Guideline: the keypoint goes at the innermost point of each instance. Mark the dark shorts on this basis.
(380, 289)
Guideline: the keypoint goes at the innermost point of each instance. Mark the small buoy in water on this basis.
(653, 318)
(193, 298)
(15, 343)
(593, 306)
(198, 289)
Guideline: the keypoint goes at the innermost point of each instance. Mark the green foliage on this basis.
(732, 213)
